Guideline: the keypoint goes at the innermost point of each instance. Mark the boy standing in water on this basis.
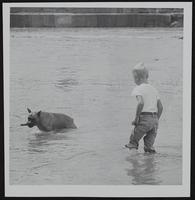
(148, 112)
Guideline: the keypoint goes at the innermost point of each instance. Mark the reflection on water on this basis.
(43, 140)
(143, 169)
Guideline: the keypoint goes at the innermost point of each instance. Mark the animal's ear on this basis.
(29, 110)
(39, 113)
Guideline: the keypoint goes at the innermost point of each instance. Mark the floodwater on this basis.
(86, 73)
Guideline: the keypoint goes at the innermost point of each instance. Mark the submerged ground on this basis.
(86, 73)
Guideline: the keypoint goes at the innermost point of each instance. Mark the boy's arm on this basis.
(160, 108)
(139, 109)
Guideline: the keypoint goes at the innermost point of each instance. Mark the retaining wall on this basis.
(93, 20)
(95, 17)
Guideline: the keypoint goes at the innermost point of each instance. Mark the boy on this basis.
(148, 112)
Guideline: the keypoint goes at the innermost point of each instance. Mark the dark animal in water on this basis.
(46, 121)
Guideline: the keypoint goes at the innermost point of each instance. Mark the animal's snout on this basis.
(30, 125)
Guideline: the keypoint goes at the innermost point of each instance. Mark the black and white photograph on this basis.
(97, 99)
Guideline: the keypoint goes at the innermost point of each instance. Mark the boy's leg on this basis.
(149, 139)
(137, 133)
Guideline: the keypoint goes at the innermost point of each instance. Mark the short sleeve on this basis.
(136, 92)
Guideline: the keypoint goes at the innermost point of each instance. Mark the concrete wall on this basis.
(92, 17)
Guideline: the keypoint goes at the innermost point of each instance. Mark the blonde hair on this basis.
(141, 71)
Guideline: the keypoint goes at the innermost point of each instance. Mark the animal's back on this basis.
(62, 121)
(52, 121)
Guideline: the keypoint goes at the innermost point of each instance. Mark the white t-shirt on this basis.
(149, 94)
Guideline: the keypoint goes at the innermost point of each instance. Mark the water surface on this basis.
(86, 73)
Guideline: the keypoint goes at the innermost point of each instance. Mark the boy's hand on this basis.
(160, 108)
(135, 122)
(139, 109)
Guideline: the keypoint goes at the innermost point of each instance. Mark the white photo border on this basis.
(106, 190)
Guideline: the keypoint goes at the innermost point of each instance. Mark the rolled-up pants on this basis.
(147, 127)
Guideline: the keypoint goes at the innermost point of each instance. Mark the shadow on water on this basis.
(143, 169)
